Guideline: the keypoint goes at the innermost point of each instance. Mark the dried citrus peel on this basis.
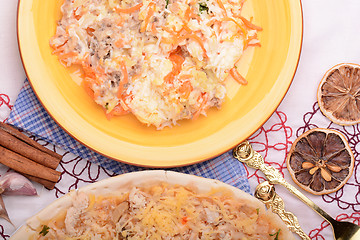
(320, 161)
(338, 94)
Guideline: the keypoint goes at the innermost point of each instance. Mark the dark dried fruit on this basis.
(320, 161)
(339, 94)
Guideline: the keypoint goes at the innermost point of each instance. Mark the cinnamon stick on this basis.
(46, 183)
(26, 166)
(14, 144)
(16, 133)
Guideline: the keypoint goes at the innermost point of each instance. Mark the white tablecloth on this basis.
(331, 36)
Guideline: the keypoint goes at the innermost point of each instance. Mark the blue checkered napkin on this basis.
(29, 115)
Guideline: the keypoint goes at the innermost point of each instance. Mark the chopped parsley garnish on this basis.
(107, 106)
(276, 235)
(167, 3)
(257, 211)
(203, 7)
(44, 230)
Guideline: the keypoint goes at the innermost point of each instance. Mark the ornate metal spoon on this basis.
(266, 193)
(246, 154)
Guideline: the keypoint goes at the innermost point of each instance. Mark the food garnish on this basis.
(320, 161)
(276, 234)
(44, 230)
(161, 60)
(339, 94)
(203, 7)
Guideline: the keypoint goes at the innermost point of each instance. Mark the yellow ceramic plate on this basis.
(268, 69)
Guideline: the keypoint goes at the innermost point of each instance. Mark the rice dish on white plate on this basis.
(155, 205)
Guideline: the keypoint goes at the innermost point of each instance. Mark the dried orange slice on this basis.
(338, 94)
(320, 161)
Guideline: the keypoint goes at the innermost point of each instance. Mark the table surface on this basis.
(331, 36)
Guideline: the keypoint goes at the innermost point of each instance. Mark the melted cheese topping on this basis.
(162, 212)
(161, 60)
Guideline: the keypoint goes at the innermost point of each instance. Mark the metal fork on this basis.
(246, 154)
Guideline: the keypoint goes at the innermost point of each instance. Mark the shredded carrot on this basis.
(90, 31)
(77, 17)
(247, 41)
(88, 90)
(86, 83)
(184, 220)
(119, 43)
(67, 55)
(186, 76)
(129, 10)
(120, 22)
(177, 61)
(85, 59)
(238, 24)
(118, 110)
(167, 29)
(237, 76)
(168, 41)
(187, 14)
(186, 27)
(100, 70)
(185, 89)
(213, 21)
(249, 24)
(89, 71)
(254, 44)
(124, 80)
(241, 3)
(221, 5)
(153, 29)
(150, 13)
(124, 71)
(195, 16)
(195, 38)
(204, 97)
(123, 103)
(58, 49)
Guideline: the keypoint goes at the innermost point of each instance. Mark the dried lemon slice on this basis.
(320, 161)
(338, 94)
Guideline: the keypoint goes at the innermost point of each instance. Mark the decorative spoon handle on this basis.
(246, 154)
(266, 193)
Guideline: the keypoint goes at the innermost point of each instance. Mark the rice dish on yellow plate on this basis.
(160, 60)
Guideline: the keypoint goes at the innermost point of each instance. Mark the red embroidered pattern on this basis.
(75, 169)
(275, 137)
(2, 233)
(317, 232)
(5, 100)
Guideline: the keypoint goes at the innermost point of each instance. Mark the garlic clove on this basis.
(3, 212)
(13, 183)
